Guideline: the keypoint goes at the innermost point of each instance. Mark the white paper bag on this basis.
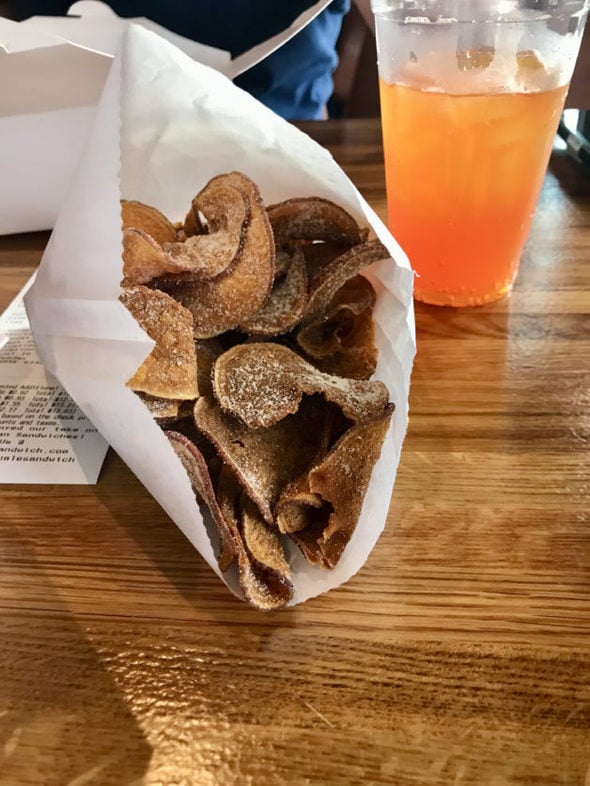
(164, 126)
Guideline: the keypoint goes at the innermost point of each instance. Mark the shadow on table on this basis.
(63, 720)
(184, 587)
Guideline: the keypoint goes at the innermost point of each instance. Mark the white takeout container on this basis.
(52, 72)
(164, 126)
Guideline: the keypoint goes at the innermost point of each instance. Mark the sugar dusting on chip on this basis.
(262, 383)
(170, 370)
(148, 219)
(286, 302)
(313, 218)
(227, 211)
(221, 303)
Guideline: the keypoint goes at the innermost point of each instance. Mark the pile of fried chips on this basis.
(260, 373)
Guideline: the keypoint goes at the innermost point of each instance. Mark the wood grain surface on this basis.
(460, 654)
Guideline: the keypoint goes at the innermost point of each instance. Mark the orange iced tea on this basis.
(463, 176)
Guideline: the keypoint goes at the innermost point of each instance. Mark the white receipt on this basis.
(44, 436)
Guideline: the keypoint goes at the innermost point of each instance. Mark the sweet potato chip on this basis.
(336, 273)
(144, 259)
(283, 259)
(262, 383)
(266, 578)
(318, 255)
(265, 460)
(197, 470)
(286, 302)
(343, 343)
(170, 370)
(340, 481)
(262, 569)
(357, 355)
(227, 210)
(222, 303)
(323, 337)
(313, 218)
(207, 351)
(148, 219)
(166, 411)
(193, 224)
(297, 508)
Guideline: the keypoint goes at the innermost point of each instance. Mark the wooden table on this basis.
(460, 654)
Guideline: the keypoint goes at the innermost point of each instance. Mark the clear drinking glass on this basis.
(471, 95)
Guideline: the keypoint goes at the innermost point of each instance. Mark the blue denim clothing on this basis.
(296, 80)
